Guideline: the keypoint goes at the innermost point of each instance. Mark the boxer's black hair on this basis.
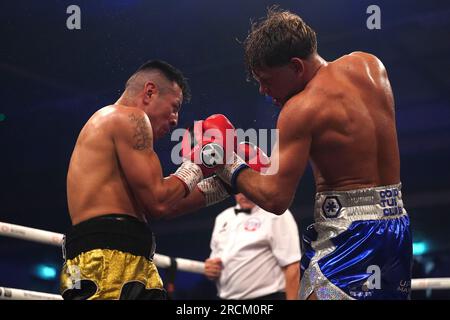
(280, 36)
(168, 71)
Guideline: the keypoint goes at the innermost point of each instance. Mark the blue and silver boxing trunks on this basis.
(359, 247)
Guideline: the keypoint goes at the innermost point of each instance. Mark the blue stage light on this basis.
(45, 272)
(419, 248)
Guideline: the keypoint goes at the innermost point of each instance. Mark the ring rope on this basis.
(19, 294)
(56, 239)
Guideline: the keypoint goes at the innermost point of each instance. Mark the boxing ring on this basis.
(161, 261)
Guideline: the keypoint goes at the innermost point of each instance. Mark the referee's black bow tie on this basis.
(237, 210)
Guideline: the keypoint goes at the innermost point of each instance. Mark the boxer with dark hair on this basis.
(340, 116)
(115, 186)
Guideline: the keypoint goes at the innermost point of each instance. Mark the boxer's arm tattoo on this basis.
(142, 134)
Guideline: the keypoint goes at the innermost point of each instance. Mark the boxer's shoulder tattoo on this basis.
(142, 136)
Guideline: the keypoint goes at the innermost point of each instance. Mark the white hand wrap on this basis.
(213, 189)
(190, 174)
(229, 172)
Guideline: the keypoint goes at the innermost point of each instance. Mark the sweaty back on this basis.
(354, 143)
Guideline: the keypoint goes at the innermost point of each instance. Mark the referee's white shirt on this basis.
(253, 248)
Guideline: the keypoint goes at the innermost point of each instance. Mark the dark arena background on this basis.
(53, 78)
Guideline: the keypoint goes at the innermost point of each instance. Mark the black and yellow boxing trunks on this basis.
(110, 258)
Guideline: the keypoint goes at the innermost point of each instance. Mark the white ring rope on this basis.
(161, 261)
(19, 294)
(55, 239)
(430, 283)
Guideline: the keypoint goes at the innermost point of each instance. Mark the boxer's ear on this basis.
(298, 65)
(150, 88)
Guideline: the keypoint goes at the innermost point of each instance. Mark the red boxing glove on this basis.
(207, 142)
(248, 156)
(253, 156)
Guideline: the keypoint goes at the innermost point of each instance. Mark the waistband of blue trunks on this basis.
(362, 197)
(112, 231)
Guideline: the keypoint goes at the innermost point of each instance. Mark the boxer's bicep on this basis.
(133, 140)
(292, 156)
(292, 151)
(142, 168)
(275, 190)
